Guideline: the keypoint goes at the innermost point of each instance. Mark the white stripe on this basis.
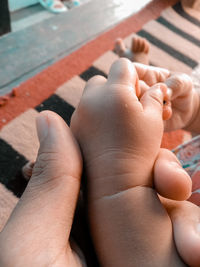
(181, 23)
(172, 39)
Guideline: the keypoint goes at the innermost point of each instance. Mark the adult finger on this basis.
(170, 179)
(185, 217)
(45, 211)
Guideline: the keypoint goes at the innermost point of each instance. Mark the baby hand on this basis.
(185, 104)
(183, 110)
(118, 133)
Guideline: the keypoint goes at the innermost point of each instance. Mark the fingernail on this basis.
(176, 164)
(42, 127)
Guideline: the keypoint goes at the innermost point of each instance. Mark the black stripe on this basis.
(178, 8)
(92, 71)
(168, 49)
(180, 32)
(58, 105)
(11, 163)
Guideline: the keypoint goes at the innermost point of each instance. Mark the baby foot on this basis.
(140, 44)
(139, 51)
(121, 49)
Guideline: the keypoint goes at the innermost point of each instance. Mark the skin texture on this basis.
(169, 179)
(185, 216)
(185, 107)
(120, 195)
(37, 233)
(185, 104)
(125, 172)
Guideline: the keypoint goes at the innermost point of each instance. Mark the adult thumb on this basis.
(45, 210)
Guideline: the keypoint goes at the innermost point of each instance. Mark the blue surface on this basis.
(18, 4)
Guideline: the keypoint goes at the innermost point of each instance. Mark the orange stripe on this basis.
(40, 87)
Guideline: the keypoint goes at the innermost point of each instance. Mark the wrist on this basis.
(118, 176)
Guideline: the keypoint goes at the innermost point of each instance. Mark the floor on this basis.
(31, 15)
(39, 38)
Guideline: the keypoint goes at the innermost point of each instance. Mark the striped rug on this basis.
(174, 35)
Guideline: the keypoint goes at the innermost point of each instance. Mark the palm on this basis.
(39, 250)
(63, 258)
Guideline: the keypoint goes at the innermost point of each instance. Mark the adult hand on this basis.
(37, 233)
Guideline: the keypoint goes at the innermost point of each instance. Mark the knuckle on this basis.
(156, 93)
(157, 99)
(161, 76)
(44, 160)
